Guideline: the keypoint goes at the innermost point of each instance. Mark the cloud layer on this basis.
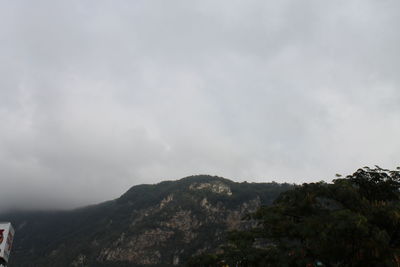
(97, 96)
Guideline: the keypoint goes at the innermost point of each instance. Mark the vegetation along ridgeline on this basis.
(354, 221)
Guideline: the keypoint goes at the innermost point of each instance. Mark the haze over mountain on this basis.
(97, 96)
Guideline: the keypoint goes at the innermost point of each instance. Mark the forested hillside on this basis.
(354, 221)
(153, 225)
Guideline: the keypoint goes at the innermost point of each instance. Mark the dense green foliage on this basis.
(354, 221)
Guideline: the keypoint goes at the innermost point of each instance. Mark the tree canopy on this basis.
(353, 221)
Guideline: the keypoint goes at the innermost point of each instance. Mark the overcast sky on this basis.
(98, 96)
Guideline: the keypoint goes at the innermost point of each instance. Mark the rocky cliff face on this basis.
(150, 225)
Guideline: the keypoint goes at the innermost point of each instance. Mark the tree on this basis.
(354, 221)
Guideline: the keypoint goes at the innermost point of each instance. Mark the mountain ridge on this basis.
(159, 224)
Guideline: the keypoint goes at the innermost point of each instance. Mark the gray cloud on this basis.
(96, 96)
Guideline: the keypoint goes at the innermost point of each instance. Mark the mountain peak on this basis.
(161, 224)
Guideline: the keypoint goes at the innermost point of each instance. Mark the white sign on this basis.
(6, 239)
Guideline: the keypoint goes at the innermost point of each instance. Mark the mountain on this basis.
(150, 225)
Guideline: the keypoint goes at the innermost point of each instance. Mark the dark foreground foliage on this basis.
(354, 221)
